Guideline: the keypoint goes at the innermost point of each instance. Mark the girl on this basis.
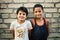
(40, 25)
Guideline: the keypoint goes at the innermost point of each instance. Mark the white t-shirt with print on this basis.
(21, 30)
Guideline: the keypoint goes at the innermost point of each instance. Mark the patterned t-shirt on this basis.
(21, 30)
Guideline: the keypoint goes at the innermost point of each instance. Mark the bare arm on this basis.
(47, 24)
(13, 34)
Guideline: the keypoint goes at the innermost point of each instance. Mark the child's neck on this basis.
(20, 21)
(39, 19)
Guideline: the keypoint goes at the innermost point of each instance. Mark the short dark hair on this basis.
(37, 5)
(24, 9)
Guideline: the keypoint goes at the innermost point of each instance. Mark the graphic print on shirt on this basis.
(20, 31)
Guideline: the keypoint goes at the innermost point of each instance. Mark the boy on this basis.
(20, 27)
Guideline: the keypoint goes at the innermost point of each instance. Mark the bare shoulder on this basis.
(32, 20)
(46, 20)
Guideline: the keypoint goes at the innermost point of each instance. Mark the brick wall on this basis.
(8, 9)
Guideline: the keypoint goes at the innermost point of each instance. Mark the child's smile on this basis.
(21, 15)
(38, 12)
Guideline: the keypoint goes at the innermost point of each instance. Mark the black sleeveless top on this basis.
(39, 32)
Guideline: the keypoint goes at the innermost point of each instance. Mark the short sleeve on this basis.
(11, 26)
(29, 25)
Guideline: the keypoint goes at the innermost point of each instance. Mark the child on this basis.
(40, 25)
(20, 27)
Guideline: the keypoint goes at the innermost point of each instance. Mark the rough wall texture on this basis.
(8, 9)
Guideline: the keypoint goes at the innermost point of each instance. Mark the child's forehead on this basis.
(21, 11)
(38, 8)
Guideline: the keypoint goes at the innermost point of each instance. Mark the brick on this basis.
(0, 25)
(14, 11)
(30, 15)
(0, 20)
(3, 5)
(36, 0)
(55, 0)
(3, 39)
(7, 31)
(31, 10)
(50, 39)
(59, 24)
(57, 38)
(11, 39)
(59, 30)
(53, 20)
(6, 35)
(23, 0)
(59, 10)
(13, 15)
(6, 10)
(50, 10)
(1, 31)
(14, 5)
(48, 15)
(58, 5)
(5, 1)
(5, 15)
(3, 26)
(48, 5)
(55, 25)
(54, 35)
(59, 20)
(53, 29)
(19, 1)
(16, 1)
(55, 14)
(0, 15)
(48, 1)
(29, 5)
(28, 9)
(8, 20)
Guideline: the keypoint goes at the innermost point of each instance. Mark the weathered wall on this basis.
(8, 9)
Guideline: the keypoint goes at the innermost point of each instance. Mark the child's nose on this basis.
(21, 14)
(38, 12)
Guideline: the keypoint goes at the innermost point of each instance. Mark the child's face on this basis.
(21, 15)
(38, 12)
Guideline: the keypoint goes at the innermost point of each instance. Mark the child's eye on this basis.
(35, 11)
(23, 14)
(19, 13)
(39, 11)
